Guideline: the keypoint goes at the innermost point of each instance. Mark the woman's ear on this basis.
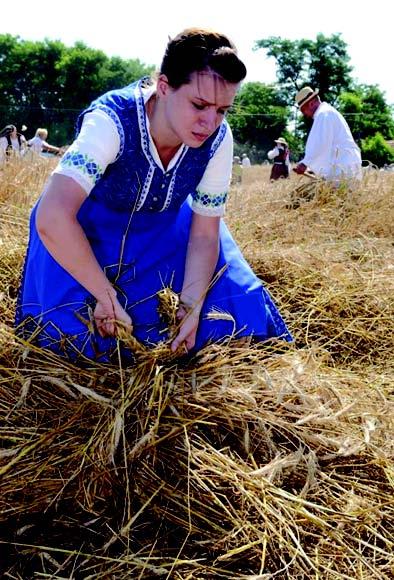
(162, 85)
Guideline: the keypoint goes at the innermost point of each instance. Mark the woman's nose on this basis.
(210, 119)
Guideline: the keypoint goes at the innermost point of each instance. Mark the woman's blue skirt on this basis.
(140, 254)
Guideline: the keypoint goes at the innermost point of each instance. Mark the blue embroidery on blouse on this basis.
(219, 138)
(135, 181)
(141, 115)
(209, 200)
(84, 163)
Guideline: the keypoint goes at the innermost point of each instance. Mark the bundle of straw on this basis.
(240, 463)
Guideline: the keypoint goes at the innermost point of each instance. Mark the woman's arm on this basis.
(201, 260)
(273, 153)
(203, 248)
(65, 240)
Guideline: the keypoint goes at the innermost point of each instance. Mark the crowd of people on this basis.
(13, 143)
(137, 200)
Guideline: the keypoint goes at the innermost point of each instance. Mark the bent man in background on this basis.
(330, 150)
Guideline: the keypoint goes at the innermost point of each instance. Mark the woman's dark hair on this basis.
(195, 50)
(7, 130)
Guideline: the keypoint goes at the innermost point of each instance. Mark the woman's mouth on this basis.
(200, 137)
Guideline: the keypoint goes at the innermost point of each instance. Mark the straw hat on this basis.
(305, 95)
(281, 140)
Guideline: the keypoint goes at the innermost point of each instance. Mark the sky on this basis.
(132, 29)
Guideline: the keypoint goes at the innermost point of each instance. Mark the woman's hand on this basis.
(108, 312)
(190, 318)
(201, 260)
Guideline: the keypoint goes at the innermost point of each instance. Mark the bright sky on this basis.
(137, 29)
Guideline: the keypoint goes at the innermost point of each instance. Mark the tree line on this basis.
(264, 112)
(47, 84)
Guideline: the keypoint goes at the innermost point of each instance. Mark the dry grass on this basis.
(329, 263)
(249, 461)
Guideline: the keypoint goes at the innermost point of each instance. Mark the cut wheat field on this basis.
(268, 461)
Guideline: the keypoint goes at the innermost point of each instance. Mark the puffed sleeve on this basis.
(211, 194)
(96, 146)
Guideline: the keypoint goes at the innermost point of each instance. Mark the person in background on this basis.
(236, 178)
(330, 151)
(38, 143)
(135, 204)
(12, 143)
(245, 161)
(280, 155)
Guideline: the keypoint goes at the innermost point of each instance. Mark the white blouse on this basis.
(14, 144)
(98, 140)
(36, 144)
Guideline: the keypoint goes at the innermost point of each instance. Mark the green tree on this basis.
(376, 150)
(28, 83)
(85, 73)
(259, 116)
(47, 84)
(351, 106)
(329, 68)
(322, 63)
(367, 112)
(118, 72)
(79, 72)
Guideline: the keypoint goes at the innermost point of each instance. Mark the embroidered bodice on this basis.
(135, 180)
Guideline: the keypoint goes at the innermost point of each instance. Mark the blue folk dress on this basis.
(137, 219)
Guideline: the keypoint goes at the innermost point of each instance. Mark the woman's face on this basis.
(194, 111)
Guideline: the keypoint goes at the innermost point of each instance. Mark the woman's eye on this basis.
(198, 106)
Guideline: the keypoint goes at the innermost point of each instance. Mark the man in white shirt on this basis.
(330, 150)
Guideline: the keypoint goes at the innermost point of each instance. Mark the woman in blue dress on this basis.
(135, 205)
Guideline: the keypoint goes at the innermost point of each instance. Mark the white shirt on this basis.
(330, 150)
(246, 162)
(36, 144)
(275, 152)
(99, 141)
